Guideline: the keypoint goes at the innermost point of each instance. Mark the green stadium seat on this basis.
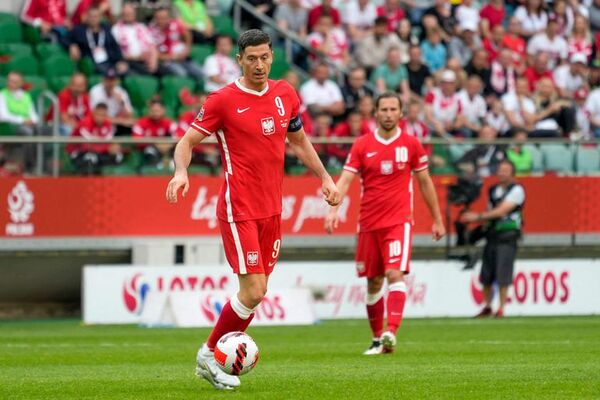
(10, 31)
(456, 150)
(557, 158)
(15, 49)
(47, 50)
(199, 170)
(58, 65)
(151, 170)
(58, 83)
(537, 157)
(66, 165)
(133, 159)
(224, 26)
(118, 170)
(7, 129)
(2, 82)
(24, 64)
(171, 87)
(141, 89)
(588, 160)
(87, 66)
(38, 85)
(279, 67)
(4, 16)
(31, 34)
(94, 80)
(199, 53)
(297, 170)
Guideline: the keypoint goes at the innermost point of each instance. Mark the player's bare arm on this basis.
(182, 157)
(343, 184)
(502, 210)
(304, 150)
(429, 195)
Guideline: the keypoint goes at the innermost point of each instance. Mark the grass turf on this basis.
(513, 358)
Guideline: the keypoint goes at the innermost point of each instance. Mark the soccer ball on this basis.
(236, 353)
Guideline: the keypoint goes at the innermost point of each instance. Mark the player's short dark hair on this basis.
(253, 37)
(388, 95)
(512, 166)
(101, 106)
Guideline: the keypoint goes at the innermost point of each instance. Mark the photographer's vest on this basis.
(20, 107)
(513, 221)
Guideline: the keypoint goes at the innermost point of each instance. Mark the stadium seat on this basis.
(199, 53)
(224, 25)
(58, 65)
(172, 85)
(4, 16)
(47, 50)
(58, 83)
(86, 65)
(118, 170)
(37, 86)
(133, 159)
(7, 129)
(24, 64)
(15, 49)
(557, 158)
(588, 160)
(199, 170)
(456, 151)
(10, 31)
(297, 170)
(141, 89)
(538, 158)
(94, 80)
(150, 170)
(2, 82)
(279, 67)
(31, 34)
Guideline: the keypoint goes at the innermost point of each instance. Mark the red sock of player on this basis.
(234, 317)
(395, 305)
(375, 312)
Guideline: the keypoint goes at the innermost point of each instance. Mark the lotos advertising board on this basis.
(135, 206)
(119, 294)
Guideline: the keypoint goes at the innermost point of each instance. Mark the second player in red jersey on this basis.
(251, 119)
(386, 161)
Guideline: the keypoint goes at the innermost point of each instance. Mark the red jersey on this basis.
(533, 77)
(170, 40)
(494, 15)
(385, 167)
(251, 129)
(315, 13)
(53, 12)
(393, 16)
(148, 127)
(88, 129)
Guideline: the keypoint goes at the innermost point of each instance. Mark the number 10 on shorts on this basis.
(395, 248)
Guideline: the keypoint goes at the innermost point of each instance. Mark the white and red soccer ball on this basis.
(236, 353)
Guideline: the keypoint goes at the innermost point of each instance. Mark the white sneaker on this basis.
(207, 368)
(388, 342)
(375, 348)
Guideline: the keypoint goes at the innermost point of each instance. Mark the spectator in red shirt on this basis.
(492, 15)
(493, 43)
(155, 125)
(50, 17)
(538, 70)
(90, 158)
(514, 42)
(326, 8)
(174, 43)
(351, 127)
(79, 15)
(414, 125)
(73, 103)
(393, 12)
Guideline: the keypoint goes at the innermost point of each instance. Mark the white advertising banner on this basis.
(119, 294)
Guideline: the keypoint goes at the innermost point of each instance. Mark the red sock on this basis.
(395, 305)
(375, 313)
(229, 321)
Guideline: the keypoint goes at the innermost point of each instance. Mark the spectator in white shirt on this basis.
(322, 95)
(120, 110)
(518, 107)
(532, 16)
(570, 77)
(592, 106)
(359, 18)
(443, 111)
(582, 117)
(472, 105)
(495, 116)
(330, 40)
(549, 42)
(466, 12)
(220, 68)
(135, 41)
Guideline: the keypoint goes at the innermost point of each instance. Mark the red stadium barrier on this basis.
(46, 207)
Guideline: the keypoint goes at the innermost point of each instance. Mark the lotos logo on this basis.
(134, 294)
(20, 207)
(211, 307)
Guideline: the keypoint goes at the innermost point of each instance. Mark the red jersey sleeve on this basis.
(429, 98)
(208, 120)
(418, 160)
(354, 160)
(63, 101)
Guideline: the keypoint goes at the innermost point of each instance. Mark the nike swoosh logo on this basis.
(272, 263)
(369, 155)
(393, 260)
(241, 110)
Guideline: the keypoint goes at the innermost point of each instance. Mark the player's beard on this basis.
(388, 126)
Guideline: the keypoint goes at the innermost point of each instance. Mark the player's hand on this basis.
(438, 230)
(177, 182)
(331, 192)
(332, 222)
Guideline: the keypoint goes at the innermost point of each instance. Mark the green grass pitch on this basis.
(513, 358)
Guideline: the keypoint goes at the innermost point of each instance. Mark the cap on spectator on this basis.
(581, 93)
(578, 58)
(110, 73)
(448, 76)
(468, 25)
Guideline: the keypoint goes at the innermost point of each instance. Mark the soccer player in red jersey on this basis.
(386, 161)
(251, 118)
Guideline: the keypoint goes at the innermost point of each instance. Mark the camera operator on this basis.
(503, 220)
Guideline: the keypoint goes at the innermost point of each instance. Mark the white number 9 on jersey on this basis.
(279, 104)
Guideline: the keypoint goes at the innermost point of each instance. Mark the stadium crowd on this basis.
(465, 69)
